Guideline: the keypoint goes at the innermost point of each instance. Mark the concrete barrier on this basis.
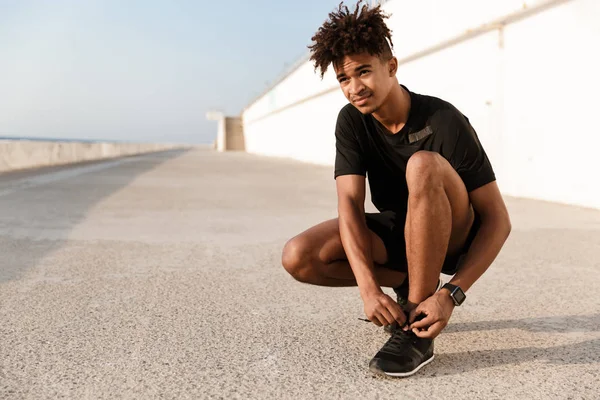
(22, 154)
(230, 134)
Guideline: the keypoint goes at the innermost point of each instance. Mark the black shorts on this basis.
(389, 226)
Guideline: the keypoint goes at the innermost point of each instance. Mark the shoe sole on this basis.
(403, 374)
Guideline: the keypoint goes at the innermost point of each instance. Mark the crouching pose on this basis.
(440, 207)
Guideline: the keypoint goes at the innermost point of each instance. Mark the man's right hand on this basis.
(381, 309)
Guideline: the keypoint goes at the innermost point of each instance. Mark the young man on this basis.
(440, 207)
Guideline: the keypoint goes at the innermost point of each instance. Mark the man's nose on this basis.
(356, 87)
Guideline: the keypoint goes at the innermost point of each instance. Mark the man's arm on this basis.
(354, 231)
(379, 307)
(493, 232)
(466, 155)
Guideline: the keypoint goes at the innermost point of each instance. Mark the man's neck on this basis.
(394, 111)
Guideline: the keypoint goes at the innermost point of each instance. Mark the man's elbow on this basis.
(506, 226)
(500, 221)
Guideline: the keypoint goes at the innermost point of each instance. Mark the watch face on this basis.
(459, 296)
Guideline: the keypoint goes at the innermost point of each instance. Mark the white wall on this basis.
(529, 90)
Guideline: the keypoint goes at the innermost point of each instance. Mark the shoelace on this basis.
(398, 342)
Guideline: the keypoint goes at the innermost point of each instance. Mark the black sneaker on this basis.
(402, 355)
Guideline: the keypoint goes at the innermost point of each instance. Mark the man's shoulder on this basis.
(441, 113)
(437, 106)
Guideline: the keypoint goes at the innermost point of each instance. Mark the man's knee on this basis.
(296, 259)
(424, 173)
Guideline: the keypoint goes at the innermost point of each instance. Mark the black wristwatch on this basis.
(458, 296)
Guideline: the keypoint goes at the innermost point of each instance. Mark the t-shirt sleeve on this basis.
(466, 154)
(349, 158)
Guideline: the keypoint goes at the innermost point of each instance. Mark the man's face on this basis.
(365, 80)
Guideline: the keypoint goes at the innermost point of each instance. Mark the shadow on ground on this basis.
(585, 352)
(568, 323)
(27, 209)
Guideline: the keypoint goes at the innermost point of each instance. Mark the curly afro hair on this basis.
(347, 33)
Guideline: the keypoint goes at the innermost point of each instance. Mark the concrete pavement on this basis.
(159, 276)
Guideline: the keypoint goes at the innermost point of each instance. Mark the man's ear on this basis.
(393, 66)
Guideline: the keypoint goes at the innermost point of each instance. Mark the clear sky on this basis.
(143, 70)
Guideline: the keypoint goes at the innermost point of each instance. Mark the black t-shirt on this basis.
(365, 147)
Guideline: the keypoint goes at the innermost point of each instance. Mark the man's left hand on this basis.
(437, 310)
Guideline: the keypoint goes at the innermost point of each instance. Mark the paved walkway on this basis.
(159, 276)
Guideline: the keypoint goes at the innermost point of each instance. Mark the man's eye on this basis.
(364, 71)
(342, 80)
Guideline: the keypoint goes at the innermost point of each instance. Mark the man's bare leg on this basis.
(317, 256)
(437, 223)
